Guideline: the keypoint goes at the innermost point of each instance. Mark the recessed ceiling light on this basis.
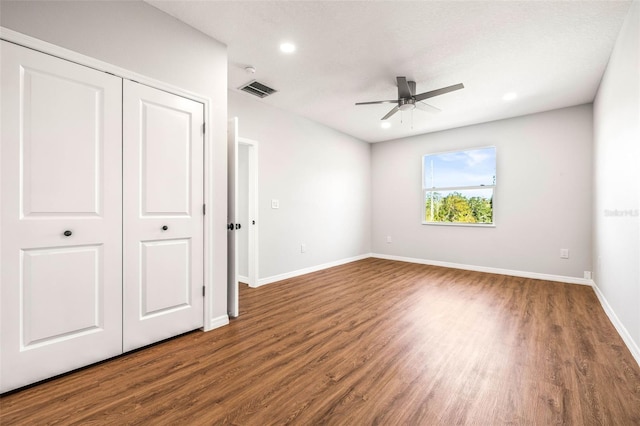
(509, 96)
(287, 47)
(385, 124)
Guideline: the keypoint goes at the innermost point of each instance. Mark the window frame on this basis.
(425, 190)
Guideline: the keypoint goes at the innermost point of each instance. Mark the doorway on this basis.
(248, 211)
(236, 218)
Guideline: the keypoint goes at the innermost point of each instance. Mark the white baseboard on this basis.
(280, 277)
(217, 322)
(622, 331)
(490, 270)
(243, 279)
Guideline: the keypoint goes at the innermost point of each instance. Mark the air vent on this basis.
(258, 89)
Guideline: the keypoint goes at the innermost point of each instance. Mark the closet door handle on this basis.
(165, 227)
(67, 233)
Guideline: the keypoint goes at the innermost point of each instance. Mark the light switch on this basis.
(275, 204)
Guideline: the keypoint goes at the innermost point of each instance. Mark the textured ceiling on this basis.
(552, 54)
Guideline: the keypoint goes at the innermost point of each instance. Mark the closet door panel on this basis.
(61, 216)
(74, 118)
(163, 261)
(165, 147)
(163, 217)
(51, 272)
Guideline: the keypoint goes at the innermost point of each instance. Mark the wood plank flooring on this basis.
(370, 342)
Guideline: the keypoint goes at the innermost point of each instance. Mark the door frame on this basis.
(70, 55)
(253, 210)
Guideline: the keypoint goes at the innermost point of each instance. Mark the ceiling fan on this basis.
(408, 100)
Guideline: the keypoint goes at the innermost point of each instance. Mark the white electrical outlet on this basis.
(587, 275)
(275, 204)
(388, 239)
(564, 253)
(303, 248)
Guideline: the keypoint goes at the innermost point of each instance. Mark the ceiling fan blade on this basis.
(431, 94)
(390, 113)
(412, 87)
(403, 88)
(377, 102)
(428, 108)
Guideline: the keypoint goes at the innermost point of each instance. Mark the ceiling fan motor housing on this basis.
(406, 104)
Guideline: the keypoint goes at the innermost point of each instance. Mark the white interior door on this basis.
(61, 207)
(163, 138)
(232, 208)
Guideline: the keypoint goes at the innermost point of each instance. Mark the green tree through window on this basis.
(458, 186)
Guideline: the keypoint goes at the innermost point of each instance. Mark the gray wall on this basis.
(321, 178)
(542, 202)
(142, 39)
(616, 243)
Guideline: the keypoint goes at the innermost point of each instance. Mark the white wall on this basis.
(321, 178)
(616, 243)
(142, 39)
(542, 202)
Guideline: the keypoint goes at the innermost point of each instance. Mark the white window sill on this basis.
(473, 225)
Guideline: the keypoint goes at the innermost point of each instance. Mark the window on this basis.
(457, 187)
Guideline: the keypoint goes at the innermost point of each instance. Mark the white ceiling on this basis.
(552, 54)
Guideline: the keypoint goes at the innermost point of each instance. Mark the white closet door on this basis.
(163, 215)
(61, 216)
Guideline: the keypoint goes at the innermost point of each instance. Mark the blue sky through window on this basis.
(475, 167)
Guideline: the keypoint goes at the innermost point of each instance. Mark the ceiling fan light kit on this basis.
(406, 104)
(409, 100)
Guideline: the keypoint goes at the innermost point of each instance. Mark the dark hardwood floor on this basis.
(370, 342)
